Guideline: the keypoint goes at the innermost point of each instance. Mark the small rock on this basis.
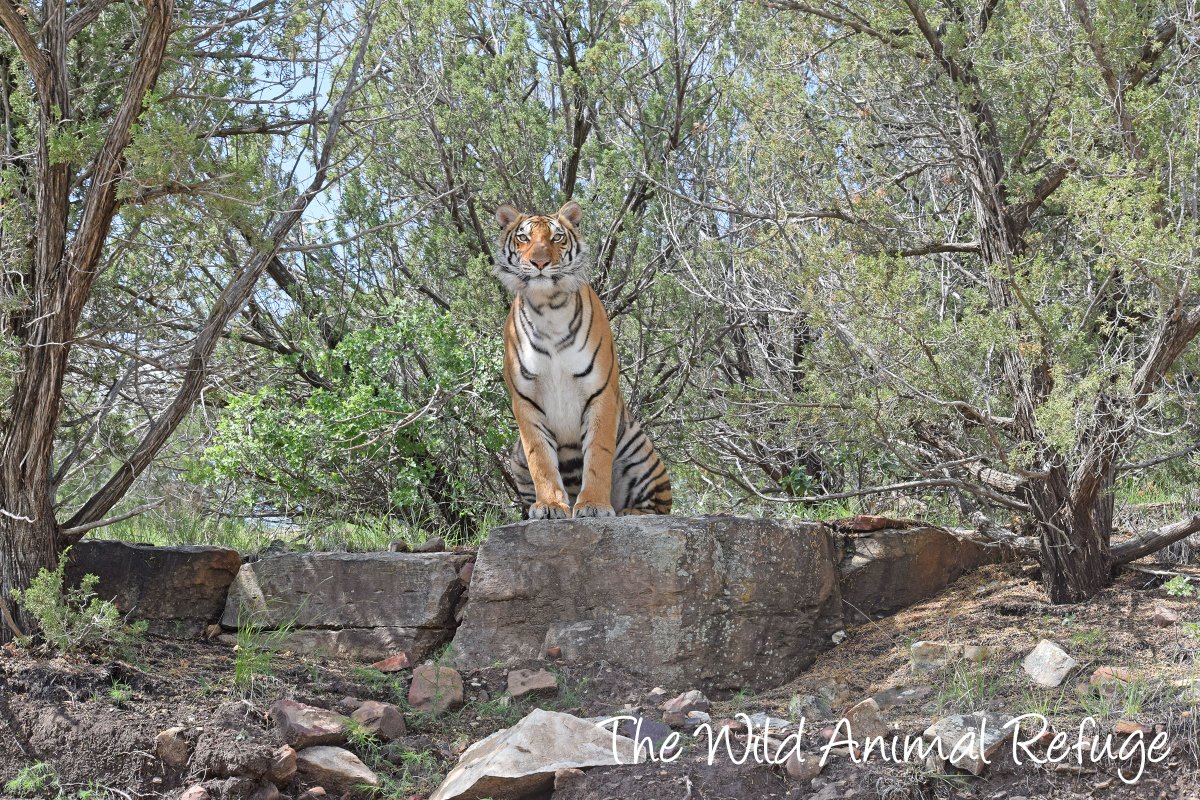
(381, 719)
(565, 777)
(934, 655)
(970, 740)
(315, 793)
(764, 722)
(228, 639)
(1048, 664)
(348, 704)
(466, 572)
(194, 793)
(809, 707)
(901, 695)
(836, 693)
(1127, 728)
(838, 637)
(1108, 681)
(695, 719)
(675, 711)
(641, 728)
(1164, 617)
(393, 663)
(554, 652)
(304, 726)
(734, 726)
(657, 693)
(435, 545)
(866, 721)
(212, 631)
(435, 689)
(977, 653)
(335, 767)
(399, 546)
(171, 746)
(540, 682)
(803, 767)
(266, 791)
(283, 765)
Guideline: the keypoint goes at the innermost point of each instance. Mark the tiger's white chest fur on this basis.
(555, 356)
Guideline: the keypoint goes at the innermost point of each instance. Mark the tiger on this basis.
(581, 453)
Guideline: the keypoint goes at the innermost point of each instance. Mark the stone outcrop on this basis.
(716, 602)
(360, 605)
(177, 590)
(883, 571)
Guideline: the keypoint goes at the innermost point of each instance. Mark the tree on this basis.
(990, 209)
(82, 92)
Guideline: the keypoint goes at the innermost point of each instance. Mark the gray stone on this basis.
(803, 767)
(969, 741)
(303, 726)
(357, 605)
(809, 707)
(435, 689)
(177, 590)
(934, 655)
(283, 765)
(676, 710)
(884, 571)
(721, 603)
(1048, 664)
(523, 760)
(866, 721)
(171, 747)
(541, 682)
(334, 767)
(380, 719)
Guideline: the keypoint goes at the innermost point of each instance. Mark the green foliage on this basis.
(35, 780)
(75, 620)
(254, 655)
(1180, 586)
(384, 438)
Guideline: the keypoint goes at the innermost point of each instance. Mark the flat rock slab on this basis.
(521, 761)
(357, 605)
(718, 602)
(177, 590)
(886, 570)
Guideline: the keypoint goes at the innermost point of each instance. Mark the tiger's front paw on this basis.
(593, 510)
(551, 510)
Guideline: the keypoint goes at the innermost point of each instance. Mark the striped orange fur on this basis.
(581, 453)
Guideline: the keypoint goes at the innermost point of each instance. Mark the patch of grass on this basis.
(254, 655)
(1180, 586)
(967, 687)
(35, 780)
(120, 693)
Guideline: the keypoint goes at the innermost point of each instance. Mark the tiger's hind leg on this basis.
(640, 483)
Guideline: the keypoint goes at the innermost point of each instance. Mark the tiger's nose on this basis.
(540, 264)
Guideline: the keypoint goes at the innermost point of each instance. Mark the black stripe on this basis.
(591, 364)
(661, 472)
(637, 463)
(529, 400)
(573, 326)
(596, 394)
(557, 306)
(529, 341)
(637, 438)
(570, 465)
(591, 319)
(525, 373)
(652, 492)
(525, 318)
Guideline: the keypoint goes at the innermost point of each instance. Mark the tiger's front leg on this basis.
(599, 442)
(550, 498)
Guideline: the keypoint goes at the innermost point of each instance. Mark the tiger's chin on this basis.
(536, 285)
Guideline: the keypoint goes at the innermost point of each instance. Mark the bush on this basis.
(75, 619)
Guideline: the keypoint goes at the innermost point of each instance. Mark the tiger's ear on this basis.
(571, 212)
(506, 215)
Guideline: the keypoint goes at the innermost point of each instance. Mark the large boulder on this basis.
(177, 590)
(716, 602)
(886, 570)
(359, 605)
(521, 761)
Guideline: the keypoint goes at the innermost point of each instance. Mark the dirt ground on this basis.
(94, 720)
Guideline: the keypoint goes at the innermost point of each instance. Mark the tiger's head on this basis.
(540, 253)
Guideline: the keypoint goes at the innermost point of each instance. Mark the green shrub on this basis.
(72, 620)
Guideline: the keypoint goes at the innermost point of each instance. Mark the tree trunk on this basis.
(27, 547)
(1074, 534)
